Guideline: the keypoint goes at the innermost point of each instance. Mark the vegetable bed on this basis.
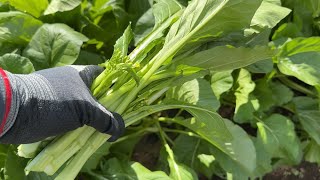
(207, 88)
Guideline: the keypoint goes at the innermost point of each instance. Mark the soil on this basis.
(305, 171)
(147, 151)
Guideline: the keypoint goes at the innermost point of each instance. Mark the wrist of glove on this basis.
(51, 102)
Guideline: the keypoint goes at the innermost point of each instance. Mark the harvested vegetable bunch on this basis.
(185, 44)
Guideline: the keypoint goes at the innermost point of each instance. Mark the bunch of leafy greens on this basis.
(197, 74)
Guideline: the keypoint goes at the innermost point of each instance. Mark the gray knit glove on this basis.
(51, 102)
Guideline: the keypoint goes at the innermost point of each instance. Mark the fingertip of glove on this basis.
(89, 73)
(117, 127)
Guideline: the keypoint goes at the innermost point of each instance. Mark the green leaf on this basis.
(16, 64)
(117, 169)
(300, 45)
(302, 15)
(61, 6)
(154, 37)
(264, 66)
(264, 163)
(224, 58)
(123, 42)
(17, 27)
(14, 166)
(38, 176)
(310, 121)
(272, 94)
(86, 58)
(269, 15)
(221, 82)
(195, 153)
(264, 94)
(243, 163)
(302, 103)
(287, 30)
(304, 66)
(239, 149)
(245, 113)
(182, 172)
(314, 6)
(300, 57)
(197, 92)
(8, 48)
(4, 6)
(54, 45)
(95, 158)
(178, 171)
(163, 9)
(312, 152)
(144, 173)
(244, 86)
(146, 21)
(278, 136)
(143, 26)
(207, 160)
(208, 125)
(203, 19)
(99, 36)
(277, 2)
(257, 37)
(3, 154)
(33, 7)
(136, 8)
(126, 147)
(281, 93)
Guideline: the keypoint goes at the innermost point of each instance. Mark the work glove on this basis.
(52, 102)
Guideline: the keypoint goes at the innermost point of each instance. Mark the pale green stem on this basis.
(74, 147)
(117, 94)
(55, 148)
(28, 150)
(76, 163)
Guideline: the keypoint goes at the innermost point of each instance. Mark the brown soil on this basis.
(147, 151)
(305, 171)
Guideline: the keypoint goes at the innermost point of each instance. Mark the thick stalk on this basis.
(103, 86)
(117, 94)
(99, 79)
(115, 104)
(73, 148)
(55, 148)
(75, 165)
(28, 150)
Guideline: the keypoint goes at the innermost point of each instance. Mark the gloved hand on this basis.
(51, 102)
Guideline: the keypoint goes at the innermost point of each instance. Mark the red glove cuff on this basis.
(8, 98)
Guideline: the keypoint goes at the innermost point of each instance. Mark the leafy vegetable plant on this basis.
(228, 88)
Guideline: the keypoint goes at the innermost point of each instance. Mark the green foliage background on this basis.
(264, 74)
